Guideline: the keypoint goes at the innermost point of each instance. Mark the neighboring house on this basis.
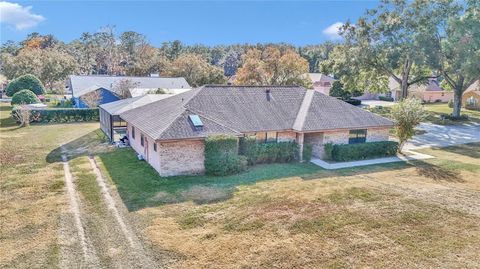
(111, 123)
(430, 92)
(471, 97)
(321, 82)
(169, 133)
(81, 85)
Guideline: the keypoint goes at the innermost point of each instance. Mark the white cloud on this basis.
(332, 30)
(18, 16)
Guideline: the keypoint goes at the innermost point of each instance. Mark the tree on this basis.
(49, 65)
(28, 82)
(392, 40)
(122, 88)
(407, 114)
(273, 67)
(92, 99)
(24, 97)
(458, 50)
(196, 70)
(337, 90)
(22, 116)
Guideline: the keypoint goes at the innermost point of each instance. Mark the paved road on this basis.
(443, 136)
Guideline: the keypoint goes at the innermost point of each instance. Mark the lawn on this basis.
(31, 189)
(419, 214)
(434, 111)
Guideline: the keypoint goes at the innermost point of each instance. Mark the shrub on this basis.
(221, 156)
(248, 148)
(257, 153)
(62, 115)
(407, 114)
(328, 150)
(354, 102)
(450, 103)
(385, 98)
(29, 82)
(24, 97)
(307, 152)
(351, 152)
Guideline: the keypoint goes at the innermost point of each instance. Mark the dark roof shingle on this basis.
(241, 109)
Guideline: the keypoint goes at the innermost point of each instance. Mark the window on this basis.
(357, 136)
(154, 146)
(266, 137)
(133, 132)
(141, 140)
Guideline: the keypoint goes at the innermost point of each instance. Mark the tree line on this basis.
(130, 54)
(409, 42)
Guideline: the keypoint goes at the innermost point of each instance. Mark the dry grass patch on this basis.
(31, 192)
(400, 218)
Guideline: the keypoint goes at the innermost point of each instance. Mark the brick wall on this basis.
(286, 136)
(375, 135)
(181, 157)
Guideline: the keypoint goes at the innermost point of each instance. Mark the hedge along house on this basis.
(169, 133)
(81, 85)
(111, 123)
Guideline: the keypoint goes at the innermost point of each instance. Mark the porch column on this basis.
(300, 137)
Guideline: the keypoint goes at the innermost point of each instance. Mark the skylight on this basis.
(196, 121)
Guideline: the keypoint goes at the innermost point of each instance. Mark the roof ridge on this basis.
(303, 110)
(110, 76)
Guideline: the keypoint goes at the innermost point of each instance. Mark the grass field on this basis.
(31, 189)
(421, 214)
(401, 215)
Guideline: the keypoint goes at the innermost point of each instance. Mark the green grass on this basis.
(434, 112)
(140, 185)
(87, 184)
(436, 109)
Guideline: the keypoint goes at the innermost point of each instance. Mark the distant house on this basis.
(169, 133)
(321, 83)
(430, 92)
(81, 85)
(471, 97)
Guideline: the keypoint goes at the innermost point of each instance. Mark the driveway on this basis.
(374, 103)
(444, 135)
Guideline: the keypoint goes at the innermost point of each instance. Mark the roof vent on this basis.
(196, 121)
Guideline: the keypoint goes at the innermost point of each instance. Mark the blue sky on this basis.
(206, 22)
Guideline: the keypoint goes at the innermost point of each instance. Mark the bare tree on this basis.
(22, 115)
(92, 99)
(122, 87)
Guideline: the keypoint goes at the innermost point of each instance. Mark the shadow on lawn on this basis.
(140, 186)
(437, 173)
(92, 143)
(470, 150)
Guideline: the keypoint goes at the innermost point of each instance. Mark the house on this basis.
(82, 85)
(169, 133)
(111, 123)
(430, 92)
(471, 97)
(321, 83)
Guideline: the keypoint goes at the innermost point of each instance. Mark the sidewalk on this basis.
(399, 158)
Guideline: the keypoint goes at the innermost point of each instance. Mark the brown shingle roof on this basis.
(240, 109)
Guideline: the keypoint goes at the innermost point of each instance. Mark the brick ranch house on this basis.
(169, 133)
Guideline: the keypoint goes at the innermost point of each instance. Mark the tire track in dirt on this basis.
(68, 258)
(135, 247)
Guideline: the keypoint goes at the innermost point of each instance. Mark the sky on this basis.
(192, 22)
